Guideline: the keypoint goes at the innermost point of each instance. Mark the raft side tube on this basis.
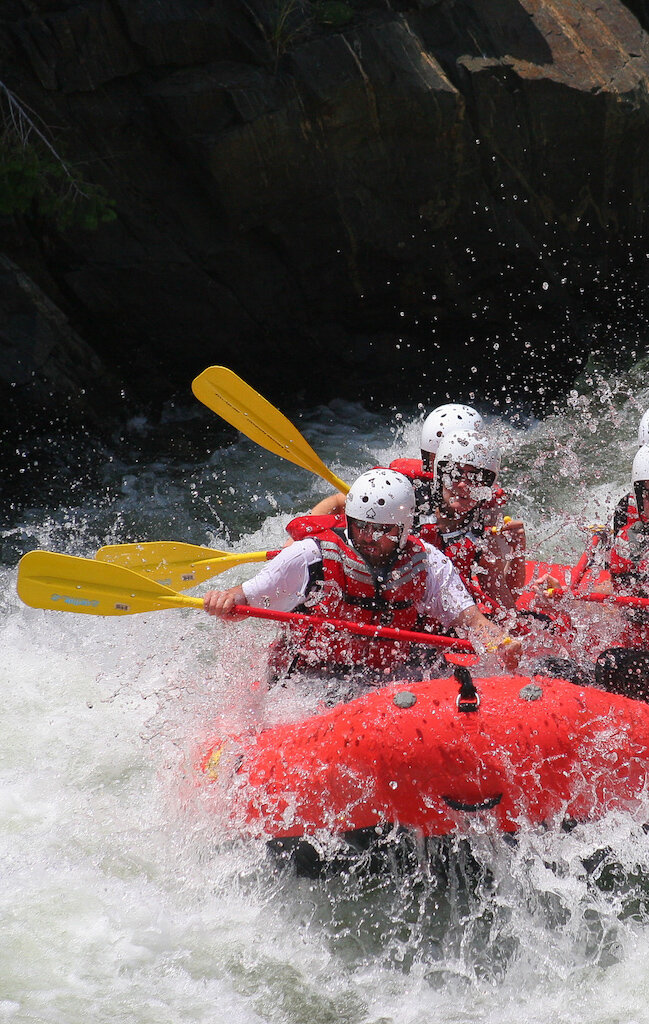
(536, 750)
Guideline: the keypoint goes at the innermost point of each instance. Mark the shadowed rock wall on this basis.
(436, 195)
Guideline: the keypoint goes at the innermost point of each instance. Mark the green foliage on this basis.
(293, 20)
(36, 180)
(290, 21)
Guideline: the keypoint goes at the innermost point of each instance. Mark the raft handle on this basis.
(468, 699)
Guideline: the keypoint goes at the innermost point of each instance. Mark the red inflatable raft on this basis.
(418, 755)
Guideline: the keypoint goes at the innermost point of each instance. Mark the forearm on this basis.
(280, 585)
(329, 506)
(481, 630)
(502, 566)
(515, 574)
(494, 581)
(488, 637)
(513, 534)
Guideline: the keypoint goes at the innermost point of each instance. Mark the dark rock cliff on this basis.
(374, 199)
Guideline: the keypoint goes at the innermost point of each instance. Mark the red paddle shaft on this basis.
(357, 628)
(629, 602)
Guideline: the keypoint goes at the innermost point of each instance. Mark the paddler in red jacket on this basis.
(459, 508)
(626, 506)
(371, 570)
(445, 419)
(624, 668)
(465, 519)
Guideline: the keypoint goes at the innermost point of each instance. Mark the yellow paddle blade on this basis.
(237, 403)
(173, 563)
(67, 584)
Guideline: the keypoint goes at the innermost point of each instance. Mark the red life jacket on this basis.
(412, 468)
(629, 557)
(464, 550)
(629, 569)
(351, 590)
(305, 527)
(460, 546)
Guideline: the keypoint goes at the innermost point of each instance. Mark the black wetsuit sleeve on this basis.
(621, 514)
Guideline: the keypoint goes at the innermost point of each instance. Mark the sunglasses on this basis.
(452, 475)
(376, 529)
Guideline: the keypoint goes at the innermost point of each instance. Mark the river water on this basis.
(123, 900)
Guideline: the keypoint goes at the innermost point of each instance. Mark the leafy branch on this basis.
(36, 178)
(293, 19)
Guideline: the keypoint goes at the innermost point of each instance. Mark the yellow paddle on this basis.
(68, 584)
(175, 564)
(65, 583)
(222, 391)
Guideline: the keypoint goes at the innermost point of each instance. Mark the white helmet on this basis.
(446, 419)
(640, 468)
(385, 497)
(643, 429)
(467, 448)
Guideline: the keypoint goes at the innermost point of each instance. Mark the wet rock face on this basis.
(384, 201)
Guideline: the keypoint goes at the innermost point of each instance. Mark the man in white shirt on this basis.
(373, 571)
